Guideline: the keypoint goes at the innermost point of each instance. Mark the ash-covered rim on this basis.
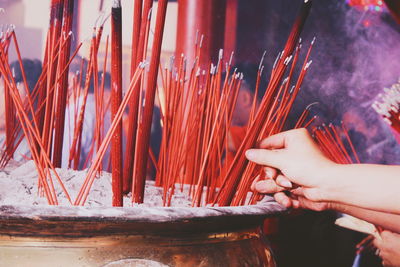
(266, 208)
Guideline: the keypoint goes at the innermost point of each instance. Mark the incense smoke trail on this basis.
(356, 55)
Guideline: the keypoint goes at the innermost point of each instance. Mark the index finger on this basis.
(281, 140)
(276, 141)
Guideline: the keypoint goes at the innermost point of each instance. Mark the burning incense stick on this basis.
(232, 177)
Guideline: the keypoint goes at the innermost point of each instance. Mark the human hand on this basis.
(276, 188)
(299, 161)
(389, 248)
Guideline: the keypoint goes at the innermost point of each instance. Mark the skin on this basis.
(306, 172)
(388, 246)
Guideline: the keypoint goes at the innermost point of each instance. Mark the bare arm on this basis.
(375, 187)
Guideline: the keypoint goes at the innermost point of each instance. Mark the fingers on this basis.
(267, 187)
(313, 194)
(276, 141)
(304, 203)
(253, 184)
(378, 243)
(275, 183)
(272, 158)
(283, 181)
(270, 173)
(280, 140)
(283, 199)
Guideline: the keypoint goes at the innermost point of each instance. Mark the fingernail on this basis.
(250, 154)
(268, 173)
(286, 183)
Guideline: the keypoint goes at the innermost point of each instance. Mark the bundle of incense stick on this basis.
(387, 105)
(196, 112)
(335, 142)
(37, 121)
(25, 111)
(271, 115)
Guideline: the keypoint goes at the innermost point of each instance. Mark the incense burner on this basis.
(135, 236)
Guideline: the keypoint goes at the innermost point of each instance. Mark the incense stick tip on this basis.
(312, 104)
(201, 40)
(313, 40)
(220, 53)
(308, 65)
(116, 3)
(231, 58)
(262, 59)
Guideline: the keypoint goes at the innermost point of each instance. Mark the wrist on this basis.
(337, 182)
(332, 182)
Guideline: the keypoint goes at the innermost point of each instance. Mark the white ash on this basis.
(19, 186)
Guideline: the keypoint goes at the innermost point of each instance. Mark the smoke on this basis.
(357, 54)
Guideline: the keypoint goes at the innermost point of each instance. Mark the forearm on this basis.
(388, 221)
(374, 187)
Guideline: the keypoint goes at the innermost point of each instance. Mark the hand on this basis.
(298, 158)
(389, 248)
(277, 186)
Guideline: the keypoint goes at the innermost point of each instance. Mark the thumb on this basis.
(313, 194)
(271, 158)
